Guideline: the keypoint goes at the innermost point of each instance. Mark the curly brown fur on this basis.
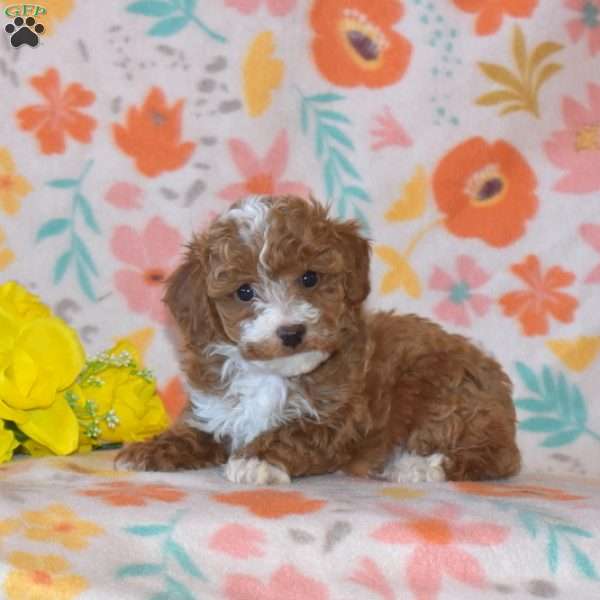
(384, 381)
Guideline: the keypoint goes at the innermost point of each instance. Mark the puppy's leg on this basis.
(476, 441)
(179, 448)
(293, 450)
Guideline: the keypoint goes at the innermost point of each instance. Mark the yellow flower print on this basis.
(41, 576)
(8, 526)
(13, 187)
(56, 10)
(59, 524)
(262, 74)
(6, 254)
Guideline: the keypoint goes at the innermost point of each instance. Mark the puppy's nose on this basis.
(291, 335)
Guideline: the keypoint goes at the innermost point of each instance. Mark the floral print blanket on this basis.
(464, 135)
(74, 528)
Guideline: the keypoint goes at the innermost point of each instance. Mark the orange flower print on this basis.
(272, 504)
(491, 12)
(122, 493)
(542, 296)
(355, 44)
(502, 490)
(59, 116)
(486, 191)
(41, 576)
(59, 524)
(13, 187)
(152, 135)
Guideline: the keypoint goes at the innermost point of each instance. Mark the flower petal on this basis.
(128, 246)
(161, 242)
(483, 534)
(276, 159)
(244, 158)
(131, 284)
(480, 304)
(449, 311)
(469, 271)
(463, 567)
(440, 280)
(396, 532)
(423, 573)
(42, 425)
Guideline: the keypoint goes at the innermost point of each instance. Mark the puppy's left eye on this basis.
(309, 279)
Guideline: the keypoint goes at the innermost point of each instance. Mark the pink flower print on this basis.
(277, 8)
(388, 132)
(151, 256)
(576, 149)
(591, 234)
(238, 541)
(125, 195)
(586, 21)
(437, 536)
(287, 583)
(459, 292)
(261, 176)
(370, 576)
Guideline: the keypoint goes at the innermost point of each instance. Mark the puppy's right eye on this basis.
(245, 292)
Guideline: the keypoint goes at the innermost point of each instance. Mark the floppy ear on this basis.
(357, 257)
(187, 298)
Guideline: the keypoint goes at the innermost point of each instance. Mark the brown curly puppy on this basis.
(289, 376)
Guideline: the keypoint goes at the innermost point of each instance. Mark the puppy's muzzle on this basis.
(291, 335)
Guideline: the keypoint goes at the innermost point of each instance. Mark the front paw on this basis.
(254, 471)
(136, 457)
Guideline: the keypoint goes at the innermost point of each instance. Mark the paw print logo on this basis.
(24, 32)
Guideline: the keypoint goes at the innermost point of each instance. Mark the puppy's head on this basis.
(275, 277)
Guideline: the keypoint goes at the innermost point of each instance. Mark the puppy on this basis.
(289, 376)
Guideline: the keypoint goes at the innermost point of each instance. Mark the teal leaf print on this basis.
(168, 26)
(170, 552)
(341, 179)
(60, 268)
(52, 227)
(77, 255)
(148, 530)
(152, 8)
(175, 589)
(173, 17)
(86, 211)
(63, 183)
(557, 535)
(529, 378)
(583, 563)
(139, 570)
(180, 555)
(559, 410)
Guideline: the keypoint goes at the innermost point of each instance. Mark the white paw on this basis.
(254, 471)
(121, 463)
(412, 468)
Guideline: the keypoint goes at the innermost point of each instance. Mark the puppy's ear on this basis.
(188, 300)
(357, 255)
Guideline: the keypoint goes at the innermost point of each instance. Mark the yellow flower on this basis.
(262, 74)
(40, 356)
(56, 10)
(8, 526)
(6, 254)
(59, 524)
(8, 443)
(13, 187)
(115, 400)
(34, 577)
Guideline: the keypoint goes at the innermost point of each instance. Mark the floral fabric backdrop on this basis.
(464, 135)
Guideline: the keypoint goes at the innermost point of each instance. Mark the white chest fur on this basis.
(255, 399)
